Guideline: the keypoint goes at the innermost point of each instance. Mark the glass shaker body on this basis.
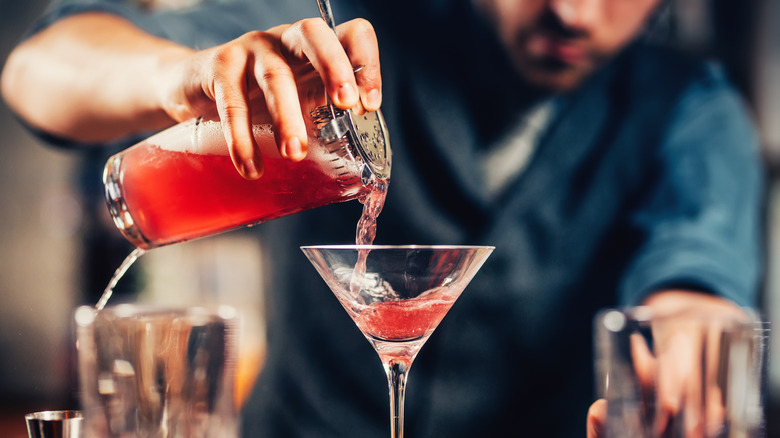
(181, 184)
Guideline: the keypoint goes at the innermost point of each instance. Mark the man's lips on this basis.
(567, 51)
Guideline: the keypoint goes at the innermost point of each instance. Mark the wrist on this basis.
(170, 72)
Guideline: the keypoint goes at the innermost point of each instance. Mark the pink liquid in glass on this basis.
(404, 320)
(173, 199)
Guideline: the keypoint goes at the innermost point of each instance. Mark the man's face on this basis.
(556, 44)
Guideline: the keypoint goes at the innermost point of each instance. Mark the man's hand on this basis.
(675, 374)
(597, 419)
(263, 74)
(96, 77)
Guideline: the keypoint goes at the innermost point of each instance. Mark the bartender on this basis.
(605, 169)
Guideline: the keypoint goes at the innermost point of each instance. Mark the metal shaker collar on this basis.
(367, 133)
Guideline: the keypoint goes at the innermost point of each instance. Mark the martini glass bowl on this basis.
(397, 296)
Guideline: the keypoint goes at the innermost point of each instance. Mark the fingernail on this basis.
(294, 149)
(250, 170)
(347, 95)
(373, 100)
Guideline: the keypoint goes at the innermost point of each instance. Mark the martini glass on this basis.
(397, 295)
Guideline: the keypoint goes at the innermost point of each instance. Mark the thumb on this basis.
(597, 419)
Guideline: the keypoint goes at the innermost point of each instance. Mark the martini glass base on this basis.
(397, 373)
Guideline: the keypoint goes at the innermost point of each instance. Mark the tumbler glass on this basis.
(684, 375)
(54, 424)
(152, 372)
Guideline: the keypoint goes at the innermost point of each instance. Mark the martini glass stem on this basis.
(397, 371)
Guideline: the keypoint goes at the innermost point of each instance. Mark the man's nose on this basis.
(580, 15)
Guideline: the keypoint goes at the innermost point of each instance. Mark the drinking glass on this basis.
(691, 374)
(54, 424)
(151, 372)
(397, 295)
(181, 184)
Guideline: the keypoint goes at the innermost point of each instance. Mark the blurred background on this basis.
(59, 248)
(55, 244)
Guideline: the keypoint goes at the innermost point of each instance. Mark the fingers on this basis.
(685, 369)
(597, 419)
(690, 359)
(269, 64)
(230, 92)
(644, 363)
(276, 80)
(314, 41)
(680, 379)
(335, 57)
(359, 41)
(254, 62)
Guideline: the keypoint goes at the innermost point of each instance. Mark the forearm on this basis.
(91, 77)
(95, 77)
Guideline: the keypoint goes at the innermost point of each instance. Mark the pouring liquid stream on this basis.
(373, 203)
(118, 274)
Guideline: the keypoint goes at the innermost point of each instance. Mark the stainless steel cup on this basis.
(54, 424)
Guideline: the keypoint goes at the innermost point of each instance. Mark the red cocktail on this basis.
(397, 297)
(181, 184)
(404, 320)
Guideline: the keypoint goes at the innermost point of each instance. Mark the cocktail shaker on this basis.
(180, 184)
